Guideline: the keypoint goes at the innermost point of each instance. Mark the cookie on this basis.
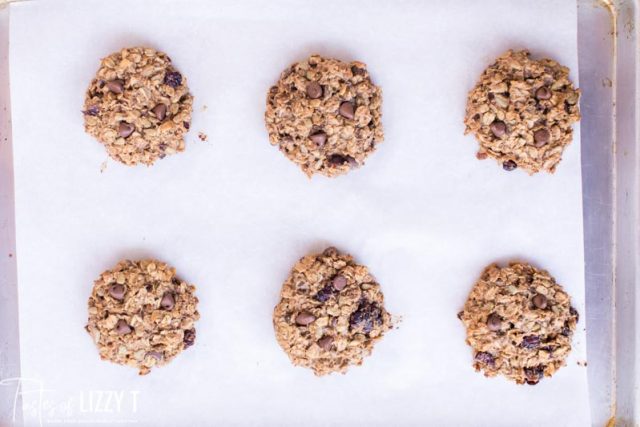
(325, 115)
(519, 323)
(331, 313)
(141, 314)
(521, 112)
(138, 106)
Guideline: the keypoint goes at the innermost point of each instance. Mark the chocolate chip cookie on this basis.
(138, 106)
(519, 323)
(325, 115)
(521, 112)
(331, 313)
(141, 314)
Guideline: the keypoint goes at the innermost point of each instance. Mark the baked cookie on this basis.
(141, 314)
(521, 112)
(519, 323)
(138, 106)
(324, 115)
(331, 313)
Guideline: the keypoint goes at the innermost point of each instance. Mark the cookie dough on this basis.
(138, 106)
(331, 313)
(141, 314)
(521, 112)
(324, 115)
(519, 323)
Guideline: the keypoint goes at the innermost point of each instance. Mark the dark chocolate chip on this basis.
(494, 322)
(498, 128)
(460, 313)
(509, 165)
(122, 327)
(485, 358)
(168, 301)
(325, 342)
(574, 313)
(189, 337)
(339, 282)
(530, 342)
(117, 291)
(314, 90)
(543, 93)
(160, 111)
(356, 71)
(319, 138)
(540, 301)
(186, 125)
(173, 79)
(116, 86)
(541, 137)
(125, 129)
(366, 317)
(305, 318)
(347, 110)
(330, 251)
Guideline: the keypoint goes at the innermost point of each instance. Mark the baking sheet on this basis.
(233, 215)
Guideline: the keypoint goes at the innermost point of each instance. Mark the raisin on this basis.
(574, 313)
(325, 293)
(173, 79)
(189, 338)
(92, 111)
(530, 342)
(485, 358)
(366, 317)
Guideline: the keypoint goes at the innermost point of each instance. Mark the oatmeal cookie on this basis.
(521, 112)
(519, 323)
(331, 313)
(138, 106)
(325, 115)
(141, 314)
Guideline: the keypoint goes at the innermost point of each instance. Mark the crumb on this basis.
(10, 255)
(204, 108)
(103, 166)
(203, 136)
(581, 363)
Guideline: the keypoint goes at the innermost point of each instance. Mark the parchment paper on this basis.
(233, 214)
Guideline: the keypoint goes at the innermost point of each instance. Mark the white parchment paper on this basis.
(233, 214)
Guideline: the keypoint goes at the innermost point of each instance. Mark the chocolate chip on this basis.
(173, 79)
(356, 71)
(160, 111)
(543, 93)
(534, 375)
(366, 317)
(117, 291)
(122, 327)
(498, 128)
(509, 165)
(339, 282)
(325, 293)
(485, 358)
(541, 137)
(125, 129)
(305, 318)
(186, 125)
(189, 337)
(319, 138)
(168, 301)
(540, 301)
(460, 313)
(530, 342)
(337, 159)
(325, 342)
(116, 86)
(347, 110)
(92, 111)
(314, 90)
(494, 322)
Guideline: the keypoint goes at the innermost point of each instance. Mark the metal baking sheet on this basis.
(607, 45)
